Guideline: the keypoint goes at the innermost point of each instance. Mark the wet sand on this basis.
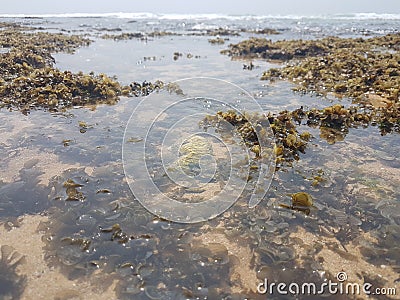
(335, 258)
(42, 281)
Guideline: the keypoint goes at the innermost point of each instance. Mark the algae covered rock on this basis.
(29, 79)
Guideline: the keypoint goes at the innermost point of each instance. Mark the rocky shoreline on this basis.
(371, 78)
(96, 242)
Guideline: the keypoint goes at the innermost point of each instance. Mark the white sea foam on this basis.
(378, 16)
(120, 15)
(146, 15)
(203, 26)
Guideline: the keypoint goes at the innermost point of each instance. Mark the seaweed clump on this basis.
(350, 72)
(288, 141)
(365, 70)
(333, 122)
(29, 80)
(279, 50)
(145, 88)
(352, 67)
(217, 41)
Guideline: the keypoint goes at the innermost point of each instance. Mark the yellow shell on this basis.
(302, 199)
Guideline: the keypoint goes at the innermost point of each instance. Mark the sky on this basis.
(255, 7)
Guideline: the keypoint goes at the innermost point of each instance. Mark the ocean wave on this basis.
(160, 16)
(120, 15)
(367, 16)
(144, 15)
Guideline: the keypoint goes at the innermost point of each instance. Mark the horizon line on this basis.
(366, 15)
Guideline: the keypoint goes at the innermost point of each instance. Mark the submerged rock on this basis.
(191, 152)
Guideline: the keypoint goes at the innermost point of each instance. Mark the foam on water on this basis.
(148, 15)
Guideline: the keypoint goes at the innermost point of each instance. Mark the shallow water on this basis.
(355, 219)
